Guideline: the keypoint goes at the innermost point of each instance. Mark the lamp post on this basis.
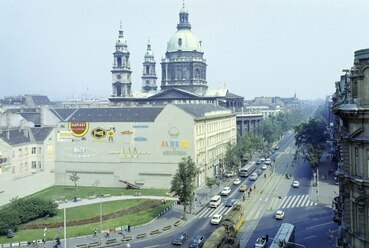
(65, 227)
(101, 219)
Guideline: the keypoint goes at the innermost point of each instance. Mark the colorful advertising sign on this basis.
(98, 133)
(79, 129)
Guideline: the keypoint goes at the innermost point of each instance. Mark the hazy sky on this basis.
(63, 48)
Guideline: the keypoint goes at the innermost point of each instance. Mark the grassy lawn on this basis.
(93, 210)
(68, 192)
(88, 211)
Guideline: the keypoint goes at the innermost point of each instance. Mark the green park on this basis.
(84, 220)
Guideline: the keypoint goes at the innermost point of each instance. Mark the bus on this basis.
(248, 169)
(285, 237)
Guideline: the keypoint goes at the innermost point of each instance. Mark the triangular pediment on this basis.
(174, 94)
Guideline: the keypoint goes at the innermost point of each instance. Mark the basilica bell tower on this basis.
(121, 70)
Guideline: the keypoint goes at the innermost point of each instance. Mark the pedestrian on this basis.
(267, 237)
(248, 194)
(254, 186)
(243, 198)
(129, 228)
(95, 233)
(250, 190)
(265, 175)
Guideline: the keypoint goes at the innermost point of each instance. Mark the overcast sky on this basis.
(63, 48)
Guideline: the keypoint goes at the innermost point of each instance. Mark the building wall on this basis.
(145, 153)
(17, 177)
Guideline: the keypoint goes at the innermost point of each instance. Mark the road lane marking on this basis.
(310, 237)
(304, 202)
(296, 200)
(324, 224)
(284, 201)
(298, 204)
(290, 203)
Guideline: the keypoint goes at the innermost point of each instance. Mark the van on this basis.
(215, 201)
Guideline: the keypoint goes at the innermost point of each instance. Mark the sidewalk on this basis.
(327, 188)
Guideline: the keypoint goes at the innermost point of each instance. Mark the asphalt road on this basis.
(200, 224)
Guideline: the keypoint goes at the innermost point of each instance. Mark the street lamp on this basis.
(65, 227)
(100, 218)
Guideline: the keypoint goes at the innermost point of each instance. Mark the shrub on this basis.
(21, 211)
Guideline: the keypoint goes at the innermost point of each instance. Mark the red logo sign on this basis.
(79, 129)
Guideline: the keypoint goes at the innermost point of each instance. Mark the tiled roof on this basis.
(40, 133)
(124, 114)
(32, 117)
(15, 137)
(63, 114)
(199, 110)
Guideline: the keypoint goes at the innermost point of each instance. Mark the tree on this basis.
(310, 140)
(210, 182)
(74, 178)
(183, 182)
(271, 130)
(232, 157)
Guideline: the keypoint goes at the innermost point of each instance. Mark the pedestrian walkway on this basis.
(295, 201)
(210, 212)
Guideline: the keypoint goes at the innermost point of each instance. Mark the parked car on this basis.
(262, 160)
(197, 242)
(225, 191)
(253, 176)
(237, 181)
(295, 184)
(264, 167)
(230, 202)
(276, 148)
(260, 242)
(216, 219)
(258, 162)
(180, 238)
(243, 188)
(258, 172)
(279, 215)
(267, 161)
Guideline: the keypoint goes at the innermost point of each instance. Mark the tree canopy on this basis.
(183, 182)
(310, 139)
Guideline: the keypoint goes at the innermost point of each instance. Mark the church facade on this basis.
(183, 74)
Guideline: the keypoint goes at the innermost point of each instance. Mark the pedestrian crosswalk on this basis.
(209, 212)
(295, 201)
(290, 201)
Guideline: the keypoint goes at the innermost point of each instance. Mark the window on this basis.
(39, 150)
(147, 69)
(26, 151)
(39, 165)
(33, 150)
(25, 166)
(33, 164)
(20, 152)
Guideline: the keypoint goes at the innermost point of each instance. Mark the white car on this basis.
(225, 191)
(267, 161)
(279, 215)
(264, 167)
(262, 160)
(237, 181)
(295, 184)
(253, 176)
(216, 219)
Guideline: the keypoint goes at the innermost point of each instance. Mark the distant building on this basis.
(183, 74)
(351, 106)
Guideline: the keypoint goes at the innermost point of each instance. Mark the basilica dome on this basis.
(184, 40)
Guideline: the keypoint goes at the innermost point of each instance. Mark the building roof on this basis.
(63, 114)
(200, 110)
(232, 95)
(40, 133)
(32, 117)
(40, 100)
(125, 114)
(15, 137)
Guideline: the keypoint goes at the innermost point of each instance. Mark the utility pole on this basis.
(65, 227)
(101, 219)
